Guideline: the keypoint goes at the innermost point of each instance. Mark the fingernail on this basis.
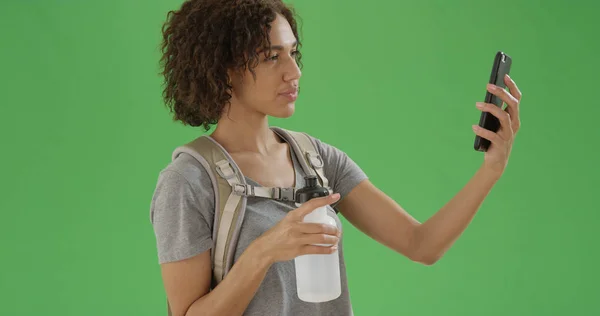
(335, 196)
(491, 86)
(479, 105)
(475, 127)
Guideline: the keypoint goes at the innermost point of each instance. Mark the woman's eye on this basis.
(276, 57)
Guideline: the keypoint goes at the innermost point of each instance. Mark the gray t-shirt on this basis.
(182, 212)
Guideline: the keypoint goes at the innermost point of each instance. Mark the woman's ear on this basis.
(234, 79)
(229, 79)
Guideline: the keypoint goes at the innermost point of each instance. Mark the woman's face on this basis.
(275, 89)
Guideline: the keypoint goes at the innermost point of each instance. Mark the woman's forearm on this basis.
(436, 235)
(233, 294)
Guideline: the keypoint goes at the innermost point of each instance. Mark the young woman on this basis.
(234, 63)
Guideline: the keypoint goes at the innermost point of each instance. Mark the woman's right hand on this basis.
(292, 237)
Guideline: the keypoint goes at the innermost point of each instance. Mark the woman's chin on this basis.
(284, 111)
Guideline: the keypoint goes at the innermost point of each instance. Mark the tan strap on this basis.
(229, 207)
(316, 163)
(225, 170)
(275, 193)
(310, 159)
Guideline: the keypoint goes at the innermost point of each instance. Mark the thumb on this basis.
(313, 204)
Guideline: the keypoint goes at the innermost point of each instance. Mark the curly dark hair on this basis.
(202, 41)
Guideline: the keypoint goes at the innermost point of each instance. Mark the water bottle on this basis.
(317, 276)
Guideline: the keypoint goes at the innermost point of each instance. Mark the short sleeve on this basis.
(342, 172)
(180, 229)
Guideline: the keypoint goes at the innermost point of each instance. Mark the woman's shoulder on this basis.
(183, 187)
(326, 149)
(343, 172)
(186, 171)
(186, 165)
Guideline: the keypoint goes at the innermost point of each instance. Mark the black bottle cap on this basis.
(311, 190)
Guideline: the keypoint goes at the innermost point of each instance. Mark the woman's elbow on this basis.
(427, 260)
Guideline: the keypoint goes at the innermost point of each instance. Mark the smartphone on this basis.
(500, 68)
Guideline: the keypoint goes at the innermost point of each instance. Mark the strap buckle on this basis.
(315, 159)
(224, 169)
(243, 189)
(284, 194)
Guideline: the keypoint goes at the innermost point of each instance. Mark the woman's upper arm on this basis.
(186, 281)
(181, 213)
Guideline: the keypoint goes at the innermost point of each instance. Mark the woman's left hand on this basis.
(496, 157)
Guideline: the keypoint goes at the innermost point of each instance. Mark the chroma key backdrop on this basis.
(392, 83)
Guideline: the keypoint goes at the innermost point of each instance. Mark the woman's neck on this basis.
(245, 131)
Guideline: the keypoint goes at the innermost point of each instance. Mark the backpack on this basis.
(231, 190)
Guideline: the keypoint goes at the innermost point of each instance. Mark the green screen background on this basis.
(392, 83)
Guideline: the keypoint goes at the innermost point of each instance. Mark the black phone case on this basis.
(501, 67)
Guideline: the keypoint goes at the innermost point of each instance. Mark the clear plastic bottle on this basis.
(317, 276)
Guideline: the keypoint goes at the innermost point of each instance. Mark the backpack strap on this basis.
(230, 206)
(307, 153)
(275, 193)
